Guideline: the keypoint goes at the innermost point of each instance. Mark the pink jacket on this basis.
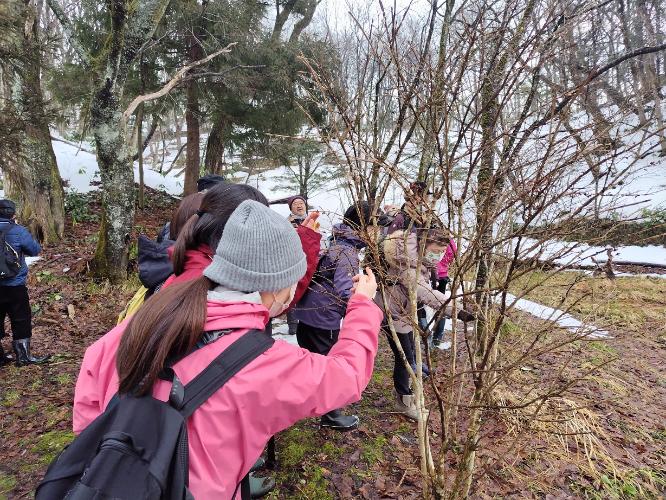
(449, 255)
(285, 384)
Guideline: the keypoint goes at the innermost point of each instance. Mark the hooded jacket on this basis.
(401, 253)
(283, 385)
(323, 304)
(449, 256)
(20, 239)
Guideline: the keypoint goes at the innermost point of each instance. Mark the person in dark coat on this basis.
(322, 308)
(14, 299)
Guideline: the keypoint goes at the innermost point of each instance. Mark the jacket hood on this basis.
(398, 258)
(195, 258)
(236, 315)
(345, 233)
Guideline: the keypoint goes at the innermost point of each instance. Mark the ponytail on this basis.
(167, 327)
(183, 242)
(206, 226)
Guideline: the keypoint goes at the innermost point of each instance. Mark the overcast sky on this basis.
(336, 11)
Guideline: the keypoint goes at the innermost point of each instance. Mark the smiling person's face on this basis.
(298, 207)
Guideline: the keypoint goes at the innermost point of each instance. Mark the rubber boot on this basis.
(260, 486)
(259, 464)
(5, 358)
(23, 355)
(337, 421)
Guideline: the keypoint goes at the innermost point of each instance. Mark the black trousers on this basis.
(15, 303)
(316, 339)
(400, 373)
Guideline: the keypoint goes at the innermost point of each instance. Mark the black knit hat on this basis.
(208, 181)
(356, 214)
(7, 208)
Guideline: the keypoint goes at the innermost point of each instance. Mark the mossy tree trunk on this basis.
(32, 175)
(131, 26)
(214, 160)
(193, 164)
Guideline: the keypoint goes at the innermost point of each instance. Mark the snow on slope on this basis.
(581, 254)
(79, 169)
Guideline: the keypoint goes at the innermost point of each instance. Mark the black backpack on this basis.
(137, 449)
(10, 261)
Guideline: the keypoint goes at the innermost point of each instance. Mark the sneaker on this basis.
(337, 421)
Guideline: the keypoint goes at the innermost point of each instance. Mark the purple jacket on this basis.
(325, 301)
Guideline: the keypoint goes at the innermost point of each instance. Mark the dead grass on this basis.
(623, 303)
(605, 435)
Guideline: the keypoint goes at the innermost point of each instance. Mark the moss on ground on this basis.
(373, 450)
(10, 397)
(7, 484)
(51, 443)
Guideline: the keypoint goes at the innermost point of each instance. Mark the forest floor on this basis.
(618, 451)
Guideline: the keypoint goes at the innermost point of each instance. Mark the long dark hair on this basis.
(166, 328)
(217, 205)
(187, 208)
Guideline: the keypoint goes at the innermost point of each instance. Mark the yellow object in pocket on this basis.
(134, 304)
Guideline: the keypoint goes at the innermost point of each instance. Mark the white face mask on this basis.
(430, 259)
(278, 307)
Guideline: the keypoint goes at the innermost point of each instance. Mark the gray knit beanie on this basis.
(259, 251)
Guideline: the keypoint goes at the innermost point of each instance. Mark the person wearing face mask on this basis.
(251, 276)
(192, 253)
(401, 251)
(323, 306)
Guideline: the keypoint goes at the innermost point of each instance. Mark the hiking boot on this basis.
(260, 486)
(5, 358)
(23, 355)
(407, 405)
(337, 421)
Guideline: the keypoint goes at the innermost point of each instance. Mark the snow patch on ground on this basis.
(560, 318)
(80, 171)
(31, 260)
(580, 254)
(280, 329)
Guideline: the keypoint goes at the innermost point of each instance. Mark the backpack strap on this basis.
(233, 359)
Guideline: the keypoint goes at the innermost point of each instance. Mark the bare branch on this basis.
(174, 82)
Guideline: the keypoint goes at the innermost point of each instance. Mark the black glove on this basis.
(465, 316)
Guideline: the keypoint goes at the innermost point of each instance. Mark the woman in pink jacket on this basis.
(252, 276)
(442, 282)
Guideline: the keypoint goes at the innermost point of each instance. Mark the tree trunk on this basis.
(115, 166)
(32, 172)
(139, 142)
(130, 27)
(651, 75)
(633, 64)
(192, 122)
(214, 161)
